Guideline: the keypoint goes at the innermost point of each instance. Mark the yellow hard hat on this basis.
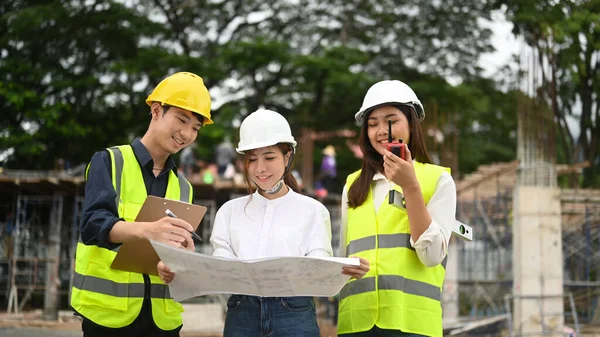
(183, 90)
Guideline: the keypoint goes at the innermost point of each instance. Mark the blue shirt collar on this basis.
(145, 160)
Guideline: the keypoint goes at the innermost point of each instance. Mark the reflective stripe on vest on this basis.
(114, 298)
(391, 282)
(115, 289)
(118, 169)
(399, 292)
(385, 241)
(184, 185)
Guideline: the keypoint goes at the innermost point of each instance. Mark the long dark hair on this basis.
(288, 179)
(373, 162)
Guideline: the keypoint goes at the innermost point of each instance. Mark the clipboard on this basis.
(139, 256)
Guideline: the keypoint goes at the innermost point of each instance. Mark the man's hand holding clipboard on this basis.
(139, 256)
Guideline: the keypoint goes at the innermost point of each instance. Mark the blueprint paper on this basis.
(200, 274)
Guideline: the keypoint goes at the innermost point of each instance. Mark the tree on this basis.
(62, 78)
(566, 37)
(75, 74)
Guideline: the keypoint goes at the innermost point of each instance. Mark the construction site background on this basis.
(41, 216)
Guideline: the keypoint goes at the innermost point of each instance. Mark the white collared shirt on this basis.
(253, 227)
(432, 245)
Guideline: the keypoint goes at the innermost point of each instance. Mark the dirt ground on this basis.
(73, 330)
(30, 324)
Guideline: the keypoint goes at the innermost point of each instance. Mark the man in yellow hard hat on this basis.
(118, 180)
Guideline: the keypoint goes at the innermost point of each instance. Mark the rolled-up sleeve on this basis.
(320, 233)
(432, 245)
(99, 207)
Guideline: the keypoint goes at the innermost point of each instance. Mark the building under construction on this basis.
(43, 209)
(485, 266)
(532, 269)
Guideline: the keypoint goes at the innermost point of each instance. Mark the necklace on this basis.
(157, 168)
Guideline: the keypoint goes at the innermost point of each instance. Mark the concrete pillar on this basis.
(52, 267)
(306, 147)
(450, 294)
(537, 262)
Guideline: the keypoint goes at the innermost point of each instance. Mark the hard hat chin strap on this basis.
(279, 184)
(276, 188)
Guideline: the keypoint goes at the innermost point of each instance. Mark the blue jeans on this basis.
(252, 316)
(377, 332)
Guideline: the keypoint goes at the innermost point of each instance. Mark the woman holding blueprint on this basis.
(273, 221)
(397, 212)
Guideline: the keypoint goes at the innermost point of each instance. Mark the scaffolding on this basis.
(485, 265)
(47, 208)
(37, 255)
(548, 325)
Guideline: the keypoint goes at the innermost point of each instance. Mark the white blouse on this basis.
(253, 227)
(432, 245)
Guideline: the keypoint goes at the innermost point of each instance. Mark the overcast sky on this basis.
(507, 45)
(504, 41)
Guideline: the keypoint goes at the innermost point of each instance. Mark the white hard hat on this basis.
(390, 93)
(264, 128)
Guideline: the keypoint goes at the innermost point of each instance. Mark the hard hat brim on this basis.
(359, 116)
(243, 149)
(207, 120)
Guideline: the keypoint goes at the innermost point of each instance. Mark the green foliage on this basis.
(56, 79)
(566, 34)
(74, 75)
(488, 129)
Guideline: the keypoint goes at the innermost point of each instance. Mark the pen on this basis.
(172, 215)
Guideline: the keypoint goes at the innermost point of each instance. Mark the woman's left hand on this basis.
(400, 171)
(359, 271)
(165, 274)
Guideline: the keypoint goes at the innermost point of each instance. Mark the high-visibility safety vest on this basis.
(399, 292)
(113, 298)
